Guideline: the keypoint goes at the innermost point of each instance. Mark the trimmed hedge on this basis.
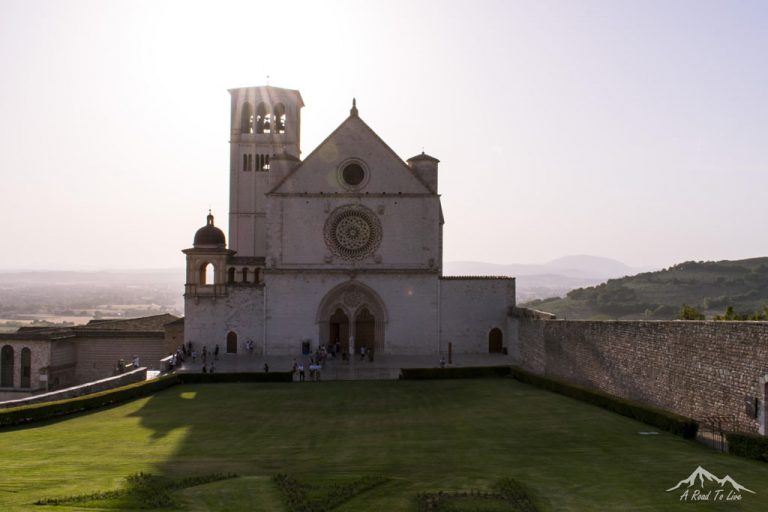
(469, 372)
(751, 446)
(660, 418)
(210, 378)
(48, 410)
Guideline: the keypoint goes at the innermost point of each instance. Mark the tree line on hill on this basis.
(728, 290)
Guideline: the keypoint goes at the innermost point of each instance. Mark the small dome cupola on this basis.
(209, 235)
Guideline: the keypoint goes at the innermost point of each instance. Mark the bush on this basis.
(660, 418)
(48, 410)
(469, 372)
(210, 378)
(751, 446)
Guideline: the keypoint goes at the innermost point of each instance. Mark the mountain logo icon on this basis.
(701, 476)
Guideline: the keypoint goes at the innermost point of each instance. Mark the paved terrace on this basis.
(381, 368)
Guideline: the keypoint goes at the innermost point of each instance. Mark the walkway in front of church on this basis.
(381, 368)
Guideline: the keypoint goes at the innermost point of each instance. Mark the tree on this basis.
(690, 313)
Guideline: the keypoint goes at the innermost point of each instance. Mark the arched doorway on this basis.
(6, 367)
(339, 326)
(26, 368)
(495, 341)
(350, 307)
(231, 343)
(365, 330)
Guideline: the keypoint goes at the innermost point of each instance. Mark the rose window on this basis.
(352, 232)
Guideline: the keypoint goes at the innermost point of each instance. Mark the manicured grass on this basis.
(423, 436)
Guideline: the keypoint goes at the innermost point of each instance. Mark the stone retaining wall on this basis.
(696, 368)
(83, 389)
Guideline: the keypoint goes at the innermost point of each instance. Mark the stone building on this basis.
(42, 358)
(344, 246)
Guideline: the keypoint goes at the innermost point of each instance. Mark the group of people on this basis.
(299, 372)
(185, 351)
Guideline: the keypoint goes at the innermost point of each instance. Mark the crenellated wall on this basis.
(696, 368)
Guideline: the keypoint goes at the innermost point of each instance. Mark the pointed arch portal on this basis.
(354, 315)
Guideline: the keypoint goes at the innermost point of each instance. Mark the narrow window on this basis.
(245, 162)
(231, 275)
(250, 161)
(246, 118)
(266, 164)
(261, 118)
(206, 274)
(279, 118)
(245, 275)
(26, 368)
(6, 367)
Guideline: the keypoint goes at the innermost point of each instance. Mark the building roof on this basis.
(143, 324)
(209, 235)
(423, 156)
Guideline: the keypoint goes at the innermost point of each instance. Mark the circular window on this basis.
(353, 175)
(352, 232)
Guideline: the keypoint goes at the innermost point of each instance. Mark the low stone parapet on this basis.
(117, 381)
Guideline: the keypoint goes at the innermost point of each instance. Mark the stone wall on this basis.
(470, 308)
(84, 389)
(698, 369)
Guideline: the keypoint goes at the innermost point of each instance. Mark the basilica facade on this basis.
(343, 247)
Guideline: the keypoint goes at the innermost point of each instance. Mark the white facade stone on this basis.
(344, 244)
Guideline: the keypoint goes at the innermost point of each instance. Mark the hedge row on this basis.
(48, 410)
(660, 418)
(751, 446)
(469, 372)
(210, 378)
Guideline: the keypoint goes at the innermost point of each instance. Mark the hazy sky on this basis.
(632, 130)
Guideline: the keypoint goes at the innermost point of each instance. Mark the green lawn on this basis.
(423, 436)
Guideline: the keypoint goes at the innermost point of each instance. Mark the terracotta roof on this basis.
(143, 324)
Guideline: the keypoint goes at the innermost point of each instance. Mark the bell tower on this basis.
(265, 122)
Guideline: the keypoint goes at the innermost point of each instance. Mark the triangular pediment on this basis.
(352, 142)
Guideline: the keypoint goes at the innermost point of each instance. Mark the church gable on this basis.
(353, 159)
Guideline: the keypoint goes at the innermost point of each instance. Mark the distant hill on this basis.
(551, 279)
(710, 286)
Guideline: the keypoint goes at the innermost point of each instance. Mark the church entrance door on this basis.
(339, 329)
(495, 341)
(231, 343)
(365, 330)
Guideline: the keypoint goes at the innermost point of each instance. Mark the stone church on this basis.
(343, 246)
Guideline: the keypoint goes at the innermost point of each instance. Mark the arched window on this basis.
(231, 275)
(26, 368)
(246, 118)
(6, 367)
(495, 341)
(279, 118)
(206, 274)
(261, 117)
(245, 275)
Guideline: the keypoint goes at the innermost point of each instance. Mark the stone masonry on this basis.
(698, 369)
